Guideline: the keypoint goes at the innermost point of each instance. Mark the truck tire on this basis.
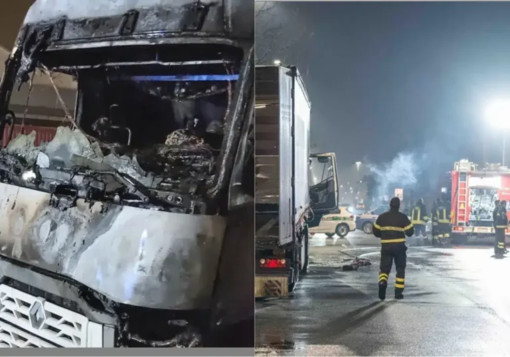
(304, 265)
(330, 235)
(342, 230)
(368, 227)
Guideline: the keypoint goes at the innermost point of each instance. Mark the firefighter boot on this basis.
(382, 290)
(399, 293)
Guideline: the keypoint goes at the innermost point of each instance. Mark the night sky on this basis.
(386, 78)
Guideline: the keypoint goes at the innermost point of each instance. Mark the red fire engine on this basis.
(474, 192)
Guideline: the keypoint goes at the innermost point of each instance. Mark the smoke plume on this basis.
(401, 172)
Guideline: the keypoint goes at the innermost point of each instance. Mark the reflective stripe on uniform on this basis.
(447, 235)
(417, 222)
(444, 221)
(400, 280)
(440, 236)
(398, 240)
(501, 227)
(400, 286)
(501, 245)
(383, 277)
(391, 228)
(388, 228)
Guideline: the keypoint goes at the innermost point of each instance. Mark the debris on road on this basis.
(356, 263)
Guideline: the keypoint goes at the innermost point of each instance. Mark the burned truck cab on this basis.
(114, 233)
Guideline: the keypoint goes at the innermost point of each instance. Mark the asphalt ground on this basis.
(457, 303)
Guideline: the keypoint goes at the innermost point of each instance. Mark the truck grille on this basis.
(29, 321)
(11, 336)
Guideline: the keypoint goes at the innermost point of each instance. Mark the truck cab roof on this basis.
(229, 18)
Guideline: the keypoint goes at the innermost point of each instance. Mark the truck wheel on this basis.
(342, 230)
(330, 235)
(304, 257)
(368, 228)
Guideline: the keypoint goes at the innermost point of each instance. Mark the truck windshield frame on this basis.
(216, 64)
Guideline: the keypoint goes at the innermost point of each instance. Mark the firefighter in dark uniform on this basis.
(442, 218)
(500, 225)
(435, 224)
(419, 218)
(392, 227)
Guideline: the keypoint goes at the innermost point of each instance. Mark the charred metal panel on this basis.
(108, 18)
(168, 260)
(45, 10)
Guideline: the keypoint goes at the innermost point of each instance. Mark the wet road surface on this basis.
(457, 302)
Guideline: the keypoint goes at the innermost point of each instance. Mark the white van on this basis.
(339, 223)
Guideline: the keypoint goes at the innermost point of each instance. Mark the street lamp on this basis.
(498, 115)
(358, 183)
(277, 62)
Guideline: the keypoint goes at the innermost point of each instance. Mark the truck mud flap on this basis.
(271, 286)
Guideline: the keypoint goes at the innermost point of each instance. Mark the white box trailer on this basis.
(293, 188)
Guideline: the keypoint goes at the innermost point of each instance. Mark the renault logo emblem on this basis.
(36, 314)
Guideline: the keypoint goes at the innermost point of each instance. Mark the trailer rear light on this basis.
(459, 229)
(273, 263)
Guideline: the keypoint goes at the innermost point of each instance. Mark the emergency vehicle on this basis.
(474, 192)
(340, 223)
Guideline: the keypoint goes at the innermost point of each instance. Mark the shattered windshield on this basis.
(321, 170)
(147, 124)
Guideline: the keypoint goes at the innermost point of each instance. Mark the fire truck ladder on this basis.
(462, 198)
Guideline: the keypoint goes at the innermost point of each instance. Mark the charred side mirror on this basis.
(115, 114)
(323, 159)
